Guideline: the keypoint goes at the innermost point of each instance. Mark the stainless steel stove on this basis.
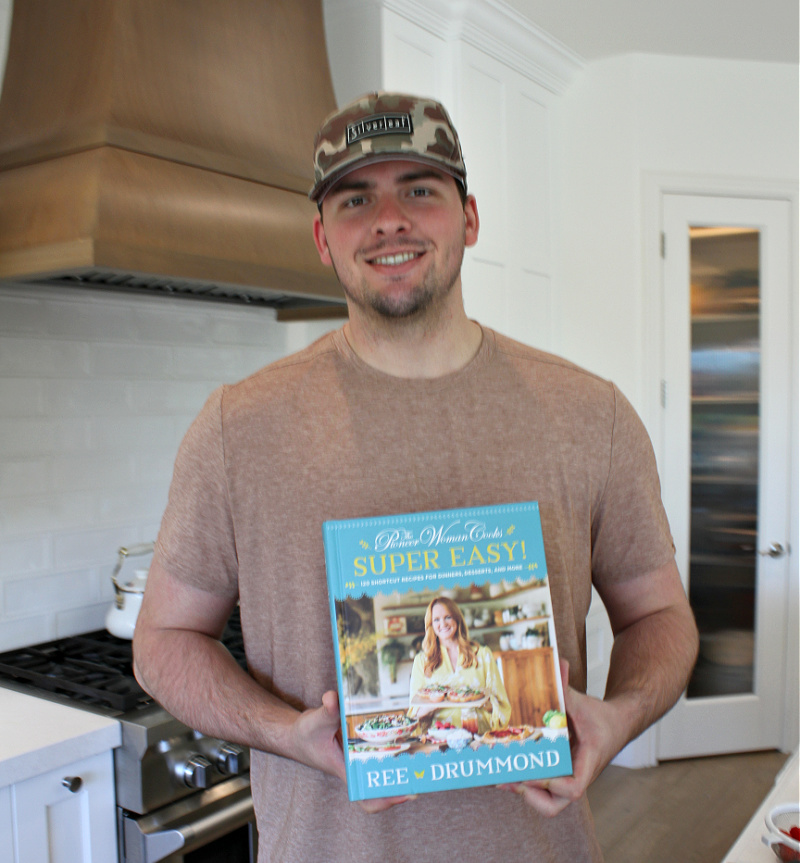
(182, 797)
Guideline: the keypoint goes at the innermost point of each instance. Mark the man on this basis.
(410, 406)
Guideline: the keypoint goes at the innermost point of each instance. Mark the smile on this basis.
(396, 259)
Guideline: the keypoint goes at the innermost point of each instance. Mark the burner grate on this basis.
(94, 669)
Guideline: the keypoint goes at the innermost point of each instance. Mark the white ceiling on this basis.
(731, 29)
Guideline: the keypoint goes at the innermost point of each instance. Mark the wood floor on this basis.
(688, 811)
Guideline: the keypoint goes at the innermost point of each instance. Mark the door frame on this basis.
(654, 187)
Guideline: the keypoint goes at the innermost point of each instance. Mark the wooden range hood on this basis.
(165, 145)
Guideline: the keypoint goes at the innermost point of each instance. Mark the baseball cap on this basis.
(380, 127)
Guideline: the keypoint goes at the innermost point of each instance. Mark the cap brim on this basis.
(321, 189)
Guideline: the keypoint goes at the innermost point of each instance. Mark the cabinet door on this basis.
(68, 815)
(727, 370)
(529, 678)
(6, 822)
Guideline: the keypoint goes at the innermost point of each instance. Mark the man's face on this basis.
(395, 234)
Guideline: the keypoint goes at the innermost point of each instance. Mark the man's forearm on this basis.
(195, 678)
(651, 662)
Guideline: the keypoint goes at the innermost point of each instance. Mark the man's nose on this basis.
(390, 217)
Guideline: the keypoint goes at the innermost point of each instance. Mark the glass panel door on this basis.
(727, 295)
(725, 366)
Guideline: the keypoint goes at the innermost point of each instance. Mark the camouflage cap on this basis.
(381, 127)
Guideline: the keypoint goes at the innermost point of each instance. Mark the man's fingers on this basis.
(381, 804)
(538, 796)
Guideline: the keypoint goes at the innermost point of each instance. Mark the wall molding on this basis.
(490, 26)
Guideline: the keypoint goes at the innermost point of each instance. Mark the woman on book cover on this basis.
(450, 661)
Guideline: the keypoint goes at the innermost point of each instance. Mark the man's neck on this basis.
(409, 349)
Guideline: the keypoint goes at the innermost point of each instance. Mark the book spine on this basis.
(333, 571)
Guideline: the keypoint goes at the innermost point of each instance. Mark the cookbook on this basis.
(446, 650)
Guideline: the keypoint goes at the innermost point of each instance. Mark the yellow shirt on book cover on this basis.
(483, 674)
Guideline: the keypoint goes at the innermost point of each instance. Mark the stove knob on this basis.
(195, 772)
(230, 759)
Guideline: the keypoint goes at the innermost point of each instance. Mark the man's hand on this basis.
(319, 745)
(594, 740)
(655, 647)
(318, 739)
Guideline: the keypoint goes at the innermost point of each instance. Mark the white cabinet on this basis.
(67, 815)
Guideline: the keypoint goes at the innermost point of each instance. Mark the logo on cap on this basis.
(380, 124)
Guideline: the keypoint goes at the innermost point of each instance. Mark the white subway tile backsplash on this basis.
(84, 619)
(44, 513)
(134, 434)
(27, 630)
(39, 437)
(43, 358)
(130, 361)
(83, 398)
(167, 397)
(88, 317)
(21, 315)
(26, 437)
(31, 476)
(167, 321)
(38, 593)
(19, 556)
(153, 468)
(97, 547)
(91, 471)
(96, 392)
(71, 435)
(133, 503)
(21, 397)
(218, 364)
(258, 329)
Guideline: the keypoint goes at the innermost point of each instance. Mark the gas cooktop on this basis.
(94, 669)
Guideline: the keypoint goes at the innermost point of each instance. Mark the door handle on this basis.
(775, 550)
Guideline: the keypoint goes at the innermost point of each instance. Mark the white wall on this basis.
(624, 119)
(96, 391)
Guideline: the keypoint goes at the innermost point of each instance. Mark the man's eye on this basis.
(420, 193)
(355, 201)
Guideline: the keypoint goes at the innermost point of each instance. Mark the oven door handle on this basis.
(150, 838)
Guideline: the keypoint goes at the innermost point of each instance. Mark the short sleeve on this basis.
(196, 541)
(630, 531)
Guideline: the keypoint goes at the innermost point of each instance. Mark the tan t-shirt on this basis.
(320, 435)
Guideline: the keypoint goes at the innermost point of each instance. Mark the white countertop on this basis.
(37, 735)
(748, 847)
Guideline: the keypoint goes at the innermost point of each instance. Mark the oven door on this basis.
(213, 826)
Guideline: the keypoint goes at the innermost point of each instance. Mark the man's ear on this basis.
(321, 241)
(471, 221)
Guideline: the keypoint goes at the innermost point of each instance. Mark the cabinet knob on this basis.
(72, 783)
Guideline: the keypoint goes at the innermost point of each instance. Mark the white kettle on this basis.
(121, 617)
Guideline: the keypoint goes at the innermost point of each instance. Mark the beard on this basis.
(413, 302)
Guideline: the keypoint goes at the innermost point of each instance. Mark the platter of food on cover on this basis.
(442, 732)
(362, 750)
(388, 729)
(511, 734)
(446, 696)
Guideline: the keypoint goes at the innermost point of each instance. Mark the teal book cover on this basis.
(447, 671)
